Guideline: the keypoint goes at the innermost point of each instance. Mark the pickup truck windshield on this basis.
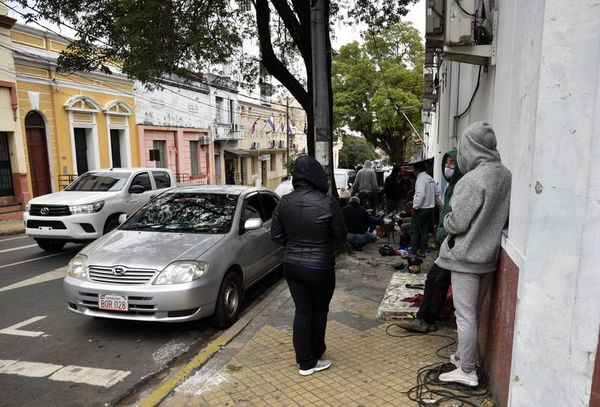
(99, 181)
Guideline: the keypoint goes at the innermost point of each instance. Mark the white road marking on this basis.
(77, 374)
(42, 278)
(14, 238)
(18, 248)
(89, 375)
(29, 369)
(14, 329)
(27, 261)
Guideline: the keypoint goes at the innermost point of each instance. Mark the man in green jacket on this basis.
(438, 278)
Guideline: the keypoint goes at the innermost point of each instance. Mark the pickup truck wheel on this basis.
(111, 224)
(50, 245)
(229, 301)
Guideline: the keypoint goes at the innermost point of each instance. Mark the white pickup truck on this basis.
(90, 206)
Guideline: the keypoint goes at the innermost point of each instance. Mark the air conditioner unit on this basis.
(434, 23)
(273, 143)
(460, 21)
(255, 145)
(204, 140)
(235, 127)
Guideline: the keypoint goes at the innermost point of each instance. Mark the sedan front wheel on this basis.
(229, 301)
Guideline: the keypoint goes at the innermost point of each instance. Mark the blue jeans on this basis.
(360, 240)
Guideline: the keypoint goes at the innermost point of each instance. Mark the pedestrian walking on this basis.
(366, 183)
(427, 193)
(308, 222)
(438, 278)
(480, 206)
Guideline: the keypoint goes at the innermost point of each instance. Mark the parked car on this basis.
(284, 188)
(90, 206)
(343, 177)
(187, 254)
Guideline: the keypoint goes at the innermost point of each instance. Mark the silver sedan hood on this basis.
(148, 250)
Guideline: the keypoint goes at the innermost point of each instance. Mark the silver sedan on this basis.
(189, 253)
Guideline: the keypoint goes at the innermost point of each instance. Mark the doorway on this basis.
(6, 185)
(81, 150)
(229, 171)
(263, 173)
(116, 138)
(37, 149)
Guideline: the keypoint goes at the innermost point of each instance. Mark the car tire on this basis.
(50, 245)
(111, 224)
(229, 301)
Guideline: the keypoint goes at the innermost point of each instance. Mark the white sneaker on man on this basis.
(321, 365)
(460, 376)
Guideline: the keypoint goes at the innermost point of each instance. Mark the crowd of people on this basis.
(309, 222)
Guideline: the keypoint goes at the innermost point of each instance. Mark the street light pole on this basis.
(287, 132)
(319, 32)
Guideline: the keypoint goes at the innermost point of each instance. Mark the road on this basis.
(52, 357)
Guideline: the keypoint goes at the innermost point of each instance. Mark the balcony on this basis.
(228, 131)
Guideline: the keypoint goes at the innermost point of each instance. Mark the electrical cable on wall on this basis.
(472, 97)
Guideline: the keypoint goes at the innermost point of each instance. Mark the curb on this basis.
(212, 348)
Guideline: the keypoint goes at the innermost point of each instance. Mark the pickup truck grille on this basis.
(120, 275)
(49, 210)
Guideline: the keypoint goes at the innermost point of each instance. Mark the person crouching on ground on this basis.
(357, 221)
(308, 222)
(479, 211)
(438, 278)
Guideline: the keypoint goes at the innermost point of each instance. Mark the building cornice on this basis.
(6, 21)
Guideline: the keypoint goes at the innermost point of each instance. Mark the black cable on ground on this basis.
(429, 390)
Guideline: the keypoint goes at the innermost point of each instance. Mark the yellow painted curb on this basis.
(164, 389)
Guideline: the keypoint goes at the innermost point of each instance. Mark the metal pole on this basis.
(319, 32)
(287, 132)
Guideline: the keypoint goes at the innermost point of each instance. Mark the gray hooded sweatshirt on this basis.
(479, 205)
(366, 180)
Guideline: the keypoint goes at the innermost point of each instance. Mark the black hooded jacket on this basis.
(308, 221)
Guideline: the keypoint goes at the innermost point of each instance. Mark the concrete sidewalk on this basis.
(375, 363)
(11, 227)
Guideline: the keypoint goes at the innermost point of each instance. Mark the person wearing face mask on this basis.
(438, 278)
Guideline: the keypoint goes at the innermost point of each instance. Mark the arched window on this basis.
(34, 120)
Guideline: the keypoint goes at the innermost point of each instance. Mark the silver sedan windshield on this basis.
(185, 212)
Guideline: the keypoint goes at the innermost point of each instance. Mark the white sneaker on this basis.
(454, 360)
(460, 376)
(321, 365)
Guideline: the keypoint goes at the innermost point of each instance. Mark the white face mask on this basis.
(448, 172)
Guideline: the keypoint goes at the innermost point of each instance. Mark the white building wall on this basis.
(543, 99)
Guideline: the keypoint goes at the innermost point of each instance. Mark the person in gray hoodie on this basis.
(366, 184)
(479, 212)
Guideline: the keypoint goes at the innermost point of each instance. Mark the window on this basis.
(231, 111)
(160, 146)
(99, 181)
(194, 157)
(269, 202)
(220, 102)
(142, 179)
(161, 179)
(6, 185)
(273, 162)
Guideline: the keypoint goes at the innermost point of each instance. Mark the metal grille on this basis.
(131, 276)
(53, 210)
(54, 224)
(6, 185)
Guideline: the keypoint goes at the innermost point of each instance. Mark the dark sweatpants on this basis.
(419, 228)
(434, 296)
(312, 290)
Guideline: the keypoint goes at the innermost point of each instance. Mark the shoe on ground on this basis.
(460, 376)
(321, 365)
(417, 325)
(454, 360)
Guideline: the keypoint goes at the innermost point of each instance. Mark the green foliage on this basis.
(355, 151)
(376, 82)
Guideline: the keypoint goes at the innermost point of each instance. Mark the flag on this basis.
(254, 125)
(271, 122)
(282, 127)
(290, 129)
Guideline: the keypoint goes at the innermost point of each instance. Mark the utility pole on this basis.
(287, 132)
(318, 35)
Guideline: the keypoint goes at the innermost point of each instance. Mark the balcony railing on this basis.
(65, 179)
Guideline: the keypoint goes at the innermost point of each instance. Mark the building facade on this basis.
(174, 128)
(71, 123)
(531, 70)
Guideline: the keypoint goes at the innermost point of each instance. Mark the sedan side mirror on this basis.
(137, 189)
(253, 224)
(122, 218)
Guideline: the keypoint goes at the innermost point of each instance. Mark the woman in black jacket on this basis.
(307, 221)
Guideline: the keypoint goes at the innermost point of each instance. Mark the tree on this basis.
(355, 151)
(153, 38)
(377, 83)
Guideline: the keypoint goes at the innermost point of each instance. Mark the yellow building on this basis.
(71, 122)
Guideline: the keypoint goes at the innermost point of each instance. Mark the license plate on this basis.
(45, 228)
(111, 302)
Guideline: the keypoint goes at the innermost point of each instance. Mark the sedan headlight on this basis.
(77, 267)
(86, 208)
(181, 272)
